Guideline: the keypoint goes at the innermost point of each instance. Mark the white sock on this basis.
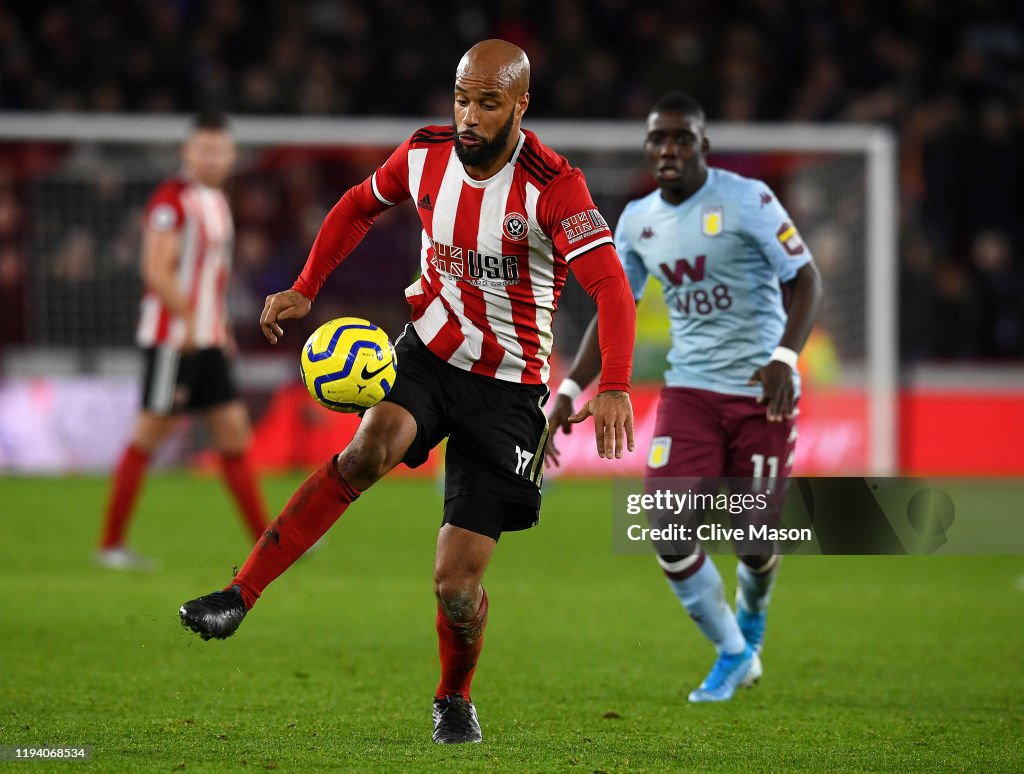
(754, 587)
(703, 596)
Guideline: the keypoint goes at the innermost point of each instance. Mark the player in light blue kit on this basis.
(725, 252)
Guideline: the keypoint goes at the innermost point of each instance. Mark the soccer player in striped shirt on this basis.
(724, 250)
(504, 221)
(183, 331)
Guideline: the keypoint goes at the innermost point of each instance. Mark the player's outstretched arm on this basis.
(343, 228)
(286, 305)
(600, 273)
(776, 376)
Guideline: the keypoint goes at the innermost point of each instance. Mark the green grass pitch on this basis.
(871, 664)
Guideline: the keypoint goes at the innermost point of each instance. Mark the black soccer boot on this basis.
(214, 615)
(455, 721)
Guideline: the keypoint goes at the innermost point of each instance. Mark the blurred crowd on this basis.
(946, 75)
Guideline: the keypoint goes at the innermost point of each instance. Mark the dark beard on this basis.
(488, 150)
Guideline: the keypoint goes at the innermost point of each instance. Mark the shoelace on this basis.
(458, 711)
(223, 600)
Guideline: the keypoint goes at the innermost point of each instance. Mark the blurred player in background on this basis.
(720, 245)
(504, 220)
(183, 330)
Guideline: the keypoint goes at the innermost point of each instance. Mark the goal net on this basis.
(72, 190)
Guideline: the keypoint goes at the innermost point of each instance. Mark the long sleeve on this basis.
(343, 228)
(600, 273)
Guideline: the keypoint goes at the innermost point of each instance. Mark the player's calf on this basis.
(755, 578)
(751, 625)
(698, 586)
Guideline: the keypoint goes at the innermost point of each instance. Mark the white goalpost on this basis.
(845, 167)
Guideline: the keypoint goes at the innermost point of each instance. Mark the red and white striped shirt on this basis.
(203, 218)
(494, 253)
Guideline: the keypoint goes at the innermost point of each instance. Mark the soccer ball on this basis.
(348, 365)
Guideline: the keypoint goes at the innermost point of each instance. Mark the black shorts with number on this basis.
(496, 430)
(177, 381)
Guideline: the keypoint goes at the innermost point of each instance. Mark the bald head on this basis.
(498, 64)
(492, 92)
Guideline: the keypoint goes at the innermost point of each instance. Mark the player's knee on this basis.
(458, 594)
(235, 444)
(361, 467)
(240, 438)
(151, 431)
(362, 464)
(229, 426)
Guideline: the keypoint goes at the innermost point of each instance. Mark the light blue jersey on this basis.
(720, 256)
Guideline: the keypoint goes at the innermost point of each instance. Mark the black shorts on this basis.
(177, 381)
(496, 430)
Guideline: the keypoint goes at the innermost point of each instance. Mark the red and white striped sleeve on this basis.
(164, 210)
(390, 183)
(567, 214)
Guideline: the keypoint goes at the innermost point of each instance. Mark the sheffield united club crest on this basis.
(515, 226)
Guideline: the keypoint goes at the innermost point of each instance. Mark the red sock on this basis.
(127, 478)
(314, 507)
(459, 645)
(242, 483)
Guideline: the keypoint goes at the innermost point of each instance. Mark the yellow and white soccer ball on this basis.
(348, 365)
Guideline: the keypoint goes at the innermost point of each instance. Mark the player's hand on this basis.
(777, 390)
(286, 305)
(613, 422)
(558, 419)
